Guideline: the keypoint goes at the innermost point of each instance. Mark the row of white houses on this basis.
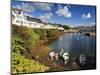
(20, 19)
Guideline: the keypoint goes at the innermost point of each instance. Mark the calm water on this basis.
(76, 44)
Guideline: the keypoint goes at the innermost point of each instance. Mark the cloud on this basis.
(46, 17)
(86, 16)
(43, 6)
(29, 7)
(63, 11)
(25, 7)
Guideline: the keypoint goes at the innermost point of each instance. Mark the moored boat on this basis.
(65, 58)
(82, 59)
(62, 56)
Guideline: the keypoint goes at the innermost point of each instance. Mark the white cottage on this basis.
(20, 19)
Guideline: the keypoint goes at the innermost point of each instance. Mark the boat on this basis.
(64, 56)
(53, 56)
(82, 60)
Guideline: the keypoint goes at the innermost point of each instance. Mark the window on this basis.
(21, 17)
(22, 22)
(18, 21)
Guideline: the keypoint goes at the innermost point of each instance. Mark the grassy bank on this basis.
(29, 50)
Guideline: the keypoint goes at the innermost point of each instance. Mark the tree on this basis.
(66, 27)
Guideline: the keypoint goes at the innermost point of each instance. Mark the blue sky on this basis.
(66, 14)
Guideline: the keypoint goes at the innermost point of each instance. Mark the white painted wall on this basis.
(21, 20)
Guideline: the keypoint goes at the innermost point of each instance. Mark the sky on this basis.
(65, 14)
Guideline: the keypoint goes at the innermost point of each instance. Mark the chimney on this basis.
(22, 12)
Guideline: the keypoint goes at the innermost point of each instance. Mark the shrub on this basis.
(52, 32)
(66, 27)
(27, 34)
(41, 32)
(23, 39)
(45, 33)
(22, 65)
(17, 45)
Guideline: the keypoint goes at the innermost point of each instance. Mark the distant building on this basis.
(20, 19)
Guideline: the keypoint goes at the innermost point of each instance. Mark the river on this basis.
(76, 44)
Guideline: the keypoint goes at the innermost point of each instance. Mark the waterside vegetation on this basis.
(29, 47)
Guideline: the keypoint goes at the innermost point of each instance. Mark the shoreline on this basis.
(93, 34)
(40, 50)
(54, 66)
(72, 64)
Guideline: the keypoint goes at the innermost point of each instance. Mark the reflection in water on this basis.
(76, 44)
